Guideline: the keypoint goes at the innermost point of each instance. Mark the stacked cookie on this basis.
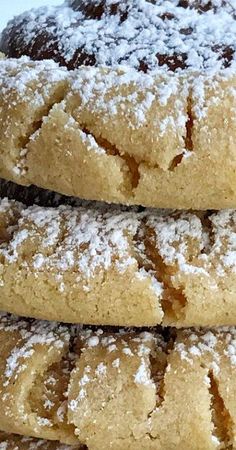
(125, 329)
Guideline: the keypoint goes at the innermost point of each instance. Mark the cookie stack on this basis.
(119, 322)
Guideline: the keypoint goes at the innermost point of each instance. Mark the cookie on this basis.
(16, 442)
(118, 388)
(99, 265)
(141, 106)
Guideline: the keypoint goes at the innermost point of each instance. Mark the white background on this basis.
(10, 8)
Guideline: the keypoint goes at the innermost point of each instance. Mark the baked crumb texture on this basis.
(118, 388)
(103, 265)
(162, 139)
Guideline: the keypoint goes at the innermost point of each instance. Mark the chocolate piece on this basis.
(138, 34)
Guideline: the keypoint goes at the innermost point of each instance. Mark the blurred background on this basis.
(10, 8)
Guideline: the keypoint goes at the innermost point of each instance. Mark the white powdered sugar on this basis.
(91, 144)
(230, 348)
(93, 341)
(161, 48)
(137, 33)
(95, 86)
(3, 445)
(174, 230)
(127, 351)
(200, 345)
(209, 343)
(43, 422)
(116, 363)
(31, 335)
(155, 359)
(23, 77)
(93, 240)
(101, 370)
(155, 284)
(143, 375)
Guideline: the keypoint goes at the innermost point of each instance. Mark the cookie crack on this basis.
(47, 398)
(159, 364)
(112, 150)
(34, 129)
(208, 232)
(189, 125)
(28, 383)
(223, 424)
(188, 138)
(158, 367)
(173, 300)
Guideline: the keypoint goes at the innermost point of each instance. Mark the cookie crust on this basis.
(140, 109)
(101, 134)
(103, 265)
(142, 381)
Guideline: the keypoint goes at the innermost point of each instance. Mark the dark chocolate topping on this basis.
(146, 35)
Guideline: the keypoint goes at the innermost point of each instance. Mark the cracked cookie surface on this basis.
(82, 262)
(49, 371)
(152, 111)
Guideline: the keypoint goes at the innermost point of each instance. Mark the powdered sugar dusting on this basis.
(137, 33)
(155, 355)
(91, 144)
(147, 44)
(93, 240)
(208, 344)
(31, 335)
(20, 76)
